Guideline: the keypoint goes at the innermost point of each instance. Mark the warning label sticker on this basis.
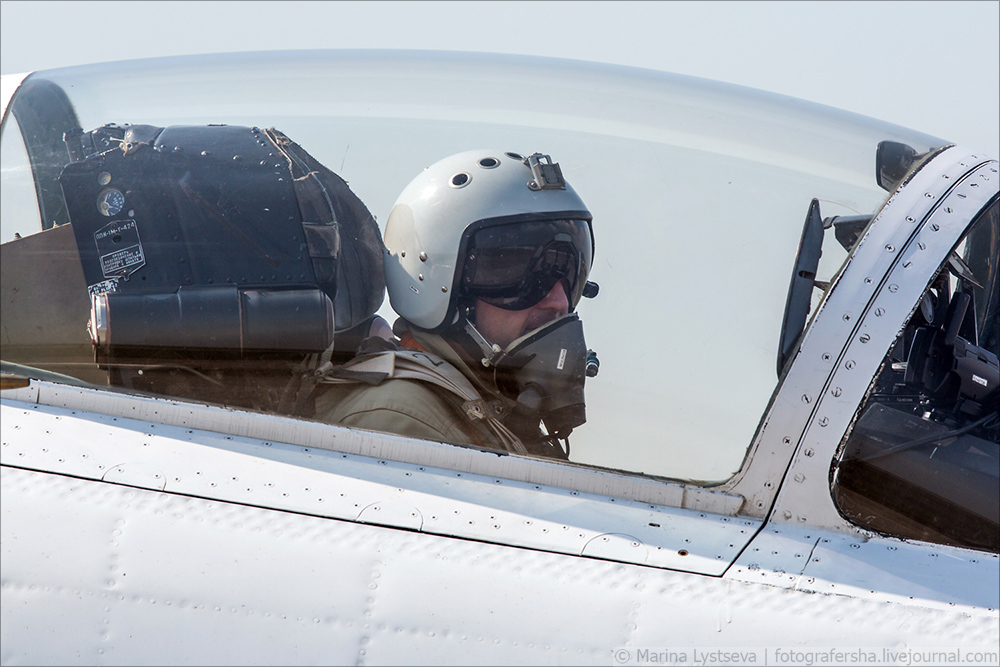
(118, 262)
(103, 287)
(119, 249)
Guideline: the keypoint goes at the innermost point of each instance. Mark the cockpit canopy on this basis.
(196, 213)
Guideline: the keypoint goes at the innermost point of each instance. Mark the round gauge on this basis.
(110, 202)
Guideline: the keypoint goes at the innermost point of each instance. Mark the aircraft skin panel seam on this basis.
(705, 606)
(798, 581)
(707, 540)
(385, 526)
(380, 446)
(820, 561)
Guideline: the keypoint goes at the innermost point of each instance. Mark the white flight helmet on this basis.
(466, 204)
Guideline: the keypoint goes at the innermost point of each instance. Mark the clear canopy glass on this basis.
(698, 191)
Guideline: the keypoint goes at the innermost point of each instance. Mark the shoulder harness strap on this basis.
(421, 366)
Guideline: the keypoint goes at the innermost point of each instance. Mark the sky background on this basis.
(929, 66)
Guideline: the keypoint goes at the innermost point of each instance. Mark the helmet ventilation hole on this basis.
(489, 163)
(460, 180)
(515, 156)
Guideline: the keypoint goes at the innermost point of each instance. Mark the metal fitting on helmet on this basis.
(431, 230)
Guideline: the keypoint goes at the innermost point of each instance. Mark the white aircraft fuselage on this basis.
(707, 505)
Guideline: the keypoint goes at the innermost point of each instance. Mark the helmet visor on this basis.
(514, 266)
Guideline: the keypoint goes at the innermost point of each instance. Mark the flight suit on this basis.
(425, 410)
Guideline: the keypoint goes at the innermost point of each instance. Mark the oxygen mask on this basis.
(544, 373)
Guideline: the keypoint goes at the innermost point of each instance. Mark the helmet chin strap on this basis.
(492, 353)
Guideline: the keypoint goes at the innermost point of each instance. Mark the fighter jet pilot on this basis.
(487, 257)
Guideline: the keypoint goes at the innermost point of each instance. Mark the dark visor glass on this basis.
(514, 266)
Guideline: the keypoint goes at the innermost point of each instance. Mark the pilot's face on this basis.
(501, 326)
